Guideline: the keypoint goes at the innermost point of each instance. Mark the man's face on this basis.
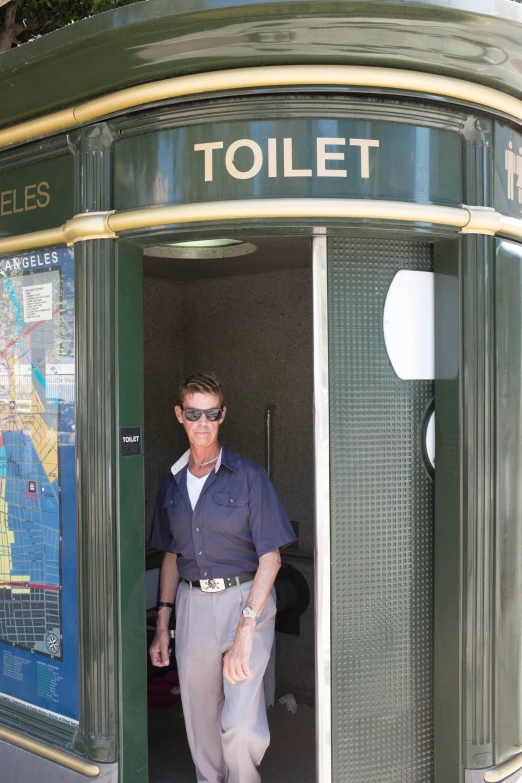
(201, 433)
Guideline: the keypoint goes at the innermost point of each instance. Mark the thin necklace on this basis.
(202, 464)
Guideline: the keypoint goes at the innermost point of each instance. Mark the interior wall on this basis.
(255, 332)
(163, 371)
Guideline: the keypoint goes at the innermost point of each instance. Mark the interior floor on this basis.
(290, 757)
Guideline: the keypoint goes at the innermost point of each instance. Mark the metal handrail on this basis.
(268, 431)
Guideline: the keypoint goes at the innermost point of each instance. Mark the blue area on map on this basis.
(34, 517)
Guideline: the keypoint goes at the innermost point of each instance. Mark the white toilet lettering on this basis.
(262, 155)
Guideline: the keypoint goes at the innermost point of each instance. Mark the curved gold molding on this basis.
(88, 225)
(265, 209)
(482, 220)
(470, 220)
(256, 78)
(485, 220)
(110, 225)
(22, 242)
(504, 770)
(86, 768)
(510, 227)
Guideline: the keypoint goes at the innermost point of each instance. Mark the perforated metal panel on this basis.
(381, 528)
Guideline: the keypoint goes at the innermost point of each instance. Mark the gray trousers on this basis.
(226, 724)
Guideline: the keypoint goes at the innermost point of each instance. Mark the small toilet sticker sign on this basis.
(130, 441)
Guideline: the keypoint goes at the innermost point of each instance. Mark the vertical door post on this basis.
(132, 611)
(322, 513)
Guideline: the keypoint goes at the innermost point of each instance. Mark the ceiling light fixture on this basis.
(202, 249)
(208, 243)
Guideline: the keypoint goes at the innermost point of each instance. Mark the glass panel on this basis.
(38, 587)
(381, 528)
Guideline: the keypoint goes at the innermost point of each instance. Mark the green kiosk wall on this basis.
(391, 135)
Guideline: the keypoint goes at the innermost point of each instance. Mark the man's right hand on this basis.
(159, 649)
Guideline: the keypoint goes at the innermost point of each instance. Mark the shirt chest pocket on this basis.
(178, 526)
(171, 499)
(231, 510)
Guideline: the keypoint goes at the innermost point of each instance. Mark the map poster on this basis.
(38, 575)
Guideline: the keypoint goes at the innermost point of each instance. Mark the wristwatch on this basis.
(249, 612)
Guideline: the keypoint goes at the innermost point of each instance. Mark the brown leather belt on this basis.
(217, 585)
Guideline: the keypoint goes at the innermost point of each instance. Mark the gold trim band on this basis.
(21, 242)
(109, 225)
(504, 770)
(269, 208)
(88, 225)
(482, 220)
(256, 78)
(86, 768)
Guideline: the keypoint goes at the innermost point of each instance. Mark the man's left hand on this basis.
(236, 663)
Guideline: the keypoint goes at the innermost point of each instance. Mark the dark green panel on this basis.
(36, 197)
(478, 567)
(448, 550)
(293, 158)
(478, 161)
(131, 542)
(381, 528)
(508, 540)
(161, 38)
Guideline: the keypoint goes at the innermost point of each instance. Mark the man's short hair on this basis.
(203, 382)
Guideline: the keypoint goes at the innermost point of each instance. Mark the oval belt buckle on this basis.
(212, 585)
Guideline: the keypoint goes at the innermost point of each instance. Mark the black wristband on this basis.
(165, 603)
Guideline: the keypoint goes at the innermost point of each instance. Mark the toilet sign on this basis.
(508, 171)
(324, 152)
(513, 168)
(289, 158)
(130, 441)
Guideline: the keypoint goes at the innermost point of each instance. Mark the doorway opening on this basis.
(248, 317)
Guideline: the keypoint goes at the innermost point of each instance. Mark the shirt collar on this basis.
(183, 462)
(227, 458)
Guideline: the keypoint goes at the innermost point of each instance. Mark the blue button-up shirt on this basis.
(237, 519)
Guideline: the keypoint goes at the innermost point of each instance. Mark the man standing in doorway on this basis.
(221, 524)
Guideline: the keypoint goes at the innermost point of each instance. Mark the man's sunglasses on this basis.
(194, 414)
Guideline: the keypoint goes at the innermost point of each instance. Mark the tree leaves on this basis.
(37, 17)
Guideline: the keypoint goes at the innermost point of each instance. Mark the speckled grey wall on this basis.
(163, 368)
(255, 331)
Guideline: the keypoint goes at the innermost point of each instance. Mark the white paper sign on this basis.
(38, 303)
(409, 324)
(430, 439)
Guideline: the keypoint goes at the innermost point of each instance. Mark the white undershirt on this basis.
(194, 487)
